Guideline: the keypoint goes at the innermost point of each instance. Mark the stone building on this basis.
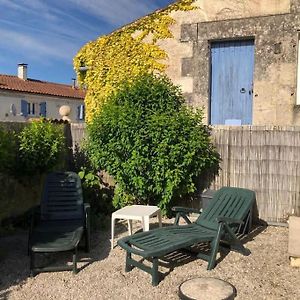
(238, 59)
(22, 98)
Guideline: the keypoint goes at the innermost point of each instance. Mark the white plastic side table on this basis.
(141, 213)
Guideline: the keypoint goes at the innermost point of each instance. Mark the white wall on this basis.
(53, 105)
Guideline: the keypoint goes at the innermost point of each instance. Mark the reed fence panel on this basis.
(265, 159)
(78, 133)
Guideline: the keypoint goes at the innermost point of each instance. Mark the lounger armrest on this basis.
(185, 210)
(123, 244)
(229, 220)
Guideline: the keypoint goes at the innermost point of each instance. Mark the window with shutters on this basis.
(32, 109)
(28, 108)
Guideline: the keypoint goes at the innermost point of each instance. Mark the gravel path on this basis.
(265, 274)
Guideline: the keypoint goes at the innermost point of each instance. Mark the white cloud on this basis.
(115, 12)
(39, 30)
(46, 30)
(37, 48)
(29, 7)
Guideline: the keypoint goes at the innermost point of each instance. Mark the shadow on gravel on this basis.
(14, 261)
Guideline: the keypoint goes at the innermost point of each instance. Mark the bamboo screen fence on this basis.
(78, 132)
(265, 159)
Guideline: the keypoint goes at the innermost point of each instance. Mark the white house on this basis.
(23, 98)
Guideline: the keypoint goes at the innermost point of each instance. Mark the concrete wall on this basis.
(53, 105)
(273, 24)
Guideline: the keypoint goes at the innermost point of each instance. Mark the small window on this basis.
(81, 112)
(30, 108)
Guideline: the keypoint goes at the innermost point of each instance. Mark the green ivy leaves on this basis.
(124, 55)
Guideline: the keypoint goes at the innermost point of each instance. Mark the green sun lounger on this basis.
(60, 222)
(219, 222)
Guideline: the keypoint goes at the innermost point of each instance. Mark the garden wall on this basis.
(18, 196)
(265, 159)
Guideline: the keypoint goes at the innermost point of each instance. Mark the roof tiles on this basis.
(13, 83)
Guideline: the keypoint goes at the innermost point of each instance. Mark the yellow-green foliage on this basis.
(124, 55)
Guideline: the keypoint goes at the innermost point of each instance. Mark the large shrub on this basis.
(151, 143)
(40, 147)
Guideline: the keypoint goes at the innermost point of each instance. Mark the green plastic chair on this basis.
(60, 222)
(219, 222)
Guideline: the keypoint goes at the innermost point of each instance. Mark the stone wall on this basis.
(19, 195)
(273, 24)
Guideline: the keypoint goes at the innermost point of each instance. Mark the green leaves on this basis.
(40, 146)
(37, 148)
(8, 149)
(152, 144)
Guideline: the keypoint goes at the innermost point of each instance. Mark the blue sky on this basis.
(46, 34)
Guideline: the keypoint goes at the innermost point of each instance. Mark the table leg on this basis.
(112, 231)
(159, 218)
(145, 223)
(129, 226)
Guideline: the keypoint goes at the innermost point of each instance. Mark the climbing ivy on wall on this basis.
(124, 55)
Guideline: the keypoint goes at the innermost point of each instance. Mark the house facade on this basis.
(238, 60)
(22, 98)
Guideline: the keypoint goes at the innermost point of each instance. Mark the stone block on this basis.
(294, 237)
(189, 33)
(295, 262)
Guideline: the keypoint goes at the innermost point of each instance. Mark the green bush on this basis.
(98, 195)
(151, 143)
(41, 145)
(95, 191)
(8, 150)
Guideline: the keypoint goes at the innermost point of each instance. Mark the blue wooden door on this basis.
(232, 65)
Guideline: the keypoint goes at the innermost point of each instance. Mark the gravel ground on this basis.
(265, 274)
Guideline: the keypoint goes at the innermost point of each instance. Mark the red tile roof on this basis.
(13, 83)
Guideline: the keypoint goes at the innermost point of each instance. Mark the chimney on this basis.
(22, 71)
(74, 83)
